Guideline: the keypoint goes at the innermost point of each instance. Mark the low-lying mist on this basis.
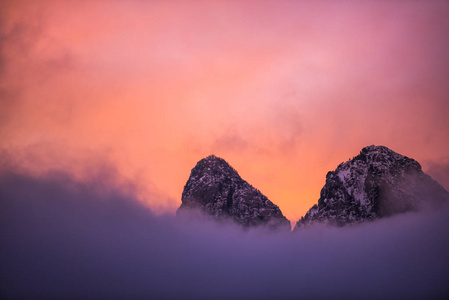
(62, 239)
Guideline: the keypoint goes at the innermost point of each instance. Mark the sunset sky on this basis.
(282, 90)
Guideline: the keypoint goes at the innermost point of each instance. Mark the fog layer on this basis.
(63, 239)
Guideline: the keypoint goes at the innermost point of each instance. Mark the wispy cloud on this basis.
(439, 170)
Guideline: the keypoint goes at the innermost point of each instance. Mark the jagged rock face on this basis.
(216, 189)
(376, 183)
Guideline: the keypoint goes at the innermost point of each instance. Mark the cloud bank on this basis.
(68, 239)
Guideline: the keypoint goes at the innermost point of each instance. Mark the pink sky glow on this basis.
(282, 90)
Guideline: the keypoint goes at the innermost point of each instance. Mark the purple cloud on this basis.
(66, 239)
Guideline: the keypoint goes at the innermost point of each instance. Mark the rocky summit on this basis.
(216, 189)
(376, 183)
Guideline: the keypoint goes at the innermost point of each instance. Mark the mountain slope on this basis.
(216, 189)
(376, 183)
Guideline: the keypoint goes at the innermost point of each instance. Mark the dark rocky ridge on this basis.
(376, 183)
(216, 189)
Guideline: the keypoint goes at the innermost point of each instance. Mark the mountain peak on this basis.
(382, 154)
(374, 184)
(215, 168)
(374, 148)
(213, 159)
(216, 189)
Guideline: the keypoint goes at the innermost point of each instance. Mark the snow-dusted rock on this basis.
(376, 183)
(216, 189)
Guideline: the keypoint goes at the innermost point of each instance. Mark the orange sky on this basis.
(283, 90)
